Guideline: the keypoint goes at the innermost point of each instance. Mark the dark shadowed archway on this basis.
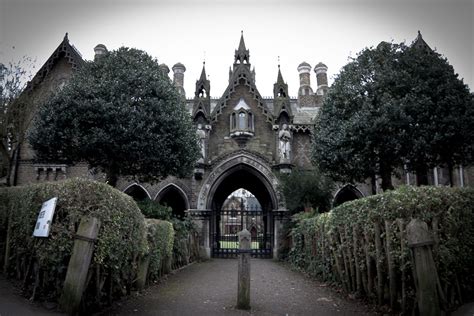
(345, 194)
(223, 240)
(137, 192)
(174, 197)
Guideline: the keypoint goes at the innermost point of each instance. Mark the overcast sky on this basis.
(189, 31)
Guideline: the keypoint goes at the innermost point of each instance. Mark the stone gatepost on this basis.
(202, 220)
(243, 293)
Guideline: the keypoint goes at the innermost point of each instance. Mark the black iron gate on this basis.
(227, 223)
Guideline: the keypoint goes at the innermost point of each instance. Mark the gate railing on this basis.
(227, 223)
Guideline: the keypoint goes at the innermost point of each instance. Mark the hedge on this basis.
(160, 236)
(41, 263)
(348, 245)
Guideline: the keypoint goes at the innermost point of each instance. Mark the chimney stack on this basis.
(99, 50)
(178, 77)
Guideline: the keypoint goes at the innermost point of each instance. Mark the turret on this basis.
(321, 78)
(178, 77)
(99, 50)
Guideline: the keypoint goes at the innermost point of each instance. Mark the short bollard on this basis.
(243, 294)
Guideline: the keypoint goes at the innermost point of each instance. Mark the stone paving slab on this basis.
(210, 288)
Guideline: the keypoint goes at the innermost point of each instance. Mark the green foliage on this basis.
(120, 237)
(319, 240)
(160, 236)
(393, 105)
(122, 114)
(184, 231)
(306, 189)
(438, 112)
(152, 209)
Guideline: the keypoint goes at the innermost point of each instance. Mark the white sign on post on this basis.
(45, 218)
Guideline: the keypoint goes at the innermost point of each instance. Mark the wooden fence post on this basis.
(390, 264)
(243, 293)
(420, 242)
(143, 264)
(6, 261)
(79, 264)
(378, 263)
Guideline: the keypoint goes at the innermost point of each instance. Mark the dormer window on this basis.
(241, 120)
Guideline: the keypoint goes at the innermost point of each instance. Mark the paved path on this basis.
(209, 288)
(12, 304)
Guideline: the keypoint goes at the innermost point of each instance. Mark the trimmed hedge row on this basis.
(41, 263)
(361, 245)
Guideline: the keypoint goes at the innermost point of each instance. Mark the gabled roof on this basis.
(242, 76)
(419, 42)
(64, 50)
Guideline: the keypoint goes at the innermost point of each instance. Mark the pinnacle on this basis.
(242, 47)
(280, 77)
(203, 72)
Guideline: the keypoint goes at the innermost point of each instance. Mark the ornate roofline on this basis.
(66, 50)
(241, 76)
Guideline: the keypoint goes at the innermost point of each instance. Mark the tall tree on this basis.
(119, 113)
(13, 79)
(440, 112)
(393, 106)
(355, 134)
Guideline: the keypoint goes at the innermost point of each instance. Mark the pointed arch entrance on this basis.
(243, 171)
(174, 197)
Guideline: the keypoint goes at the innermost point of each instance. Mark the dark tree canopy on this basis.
(392, 106)
(304, 189)
(122, 114)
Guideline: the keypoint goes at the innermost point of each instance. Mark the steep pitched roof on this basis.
(64, 50)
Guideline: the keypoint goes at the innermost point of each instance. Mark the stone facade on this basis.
(242, 138)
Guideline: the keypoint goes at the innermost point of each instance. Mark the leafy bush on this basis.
(185, 237)
(340, 245)
(160, 235)
(152, 209)
(44, 261)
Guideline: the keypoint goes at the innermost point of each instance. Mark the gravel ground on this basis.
(210, 288)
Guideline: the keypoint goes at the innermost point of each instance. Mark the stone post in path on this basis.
(243, 294)
(424, 269)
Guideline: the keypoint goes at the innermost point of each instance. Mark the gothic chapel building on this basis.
(246, 140)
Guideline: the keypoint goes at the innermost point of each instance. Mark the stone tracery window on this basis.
(241, 120)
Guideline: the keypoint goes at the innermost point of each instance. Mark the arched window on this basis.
(241, 120)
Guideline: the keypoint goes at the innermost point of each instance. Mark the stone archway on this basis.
(174, 197)
(137, 192)
(255, 165)
(242, 170)
(345, 194)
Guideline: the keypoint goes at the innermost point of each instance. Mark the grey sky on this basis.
(189, 31)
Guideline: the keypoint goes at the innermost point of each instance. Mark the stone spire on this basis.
(202, 99)
(242, 55)
(282, 108)
(203, 85)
